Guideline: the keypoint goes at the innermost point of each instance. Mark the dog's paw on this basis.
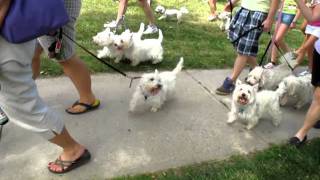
(230, 121)
(154, 109)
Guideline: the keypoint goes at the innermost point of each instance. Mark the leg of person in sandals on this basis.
(21, 102)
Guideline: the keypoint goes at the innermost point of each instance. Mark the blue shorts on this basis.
(287, 18)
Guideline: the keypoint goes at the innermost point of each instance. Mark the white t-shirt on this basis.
(317, 46)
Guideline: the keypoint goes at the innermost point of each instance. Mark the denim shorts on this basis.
(287, 18)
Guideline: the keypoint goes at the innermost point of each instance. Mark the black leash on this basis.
(246, 32)
(104, 62)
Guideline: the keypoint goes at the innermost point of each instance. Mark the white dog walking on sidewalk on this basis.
(155, 88)
(250, 105)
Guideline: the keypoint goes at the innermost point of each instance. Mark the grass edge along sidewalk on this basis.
(277, 162)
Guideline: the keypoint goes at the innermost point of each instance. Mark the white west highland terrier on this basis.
(107, 39)
(167, 13)
(268, 78)
(154, 89)
(225, 18)
(138, 50)
(250, 105)
(299, 89)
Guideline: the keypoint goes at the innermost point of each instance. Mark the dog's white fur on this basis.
(107, 39)
(155, 88)
(250, 105)
(138, 50)
(299, 89)
(268, 78)
(225, 21)
(178, 13)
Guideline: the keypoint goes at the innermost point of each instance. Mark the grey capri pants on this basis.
(19, 96)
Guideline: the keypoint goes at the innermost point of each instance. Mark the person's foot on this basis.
(226, 88)
(270, 65)
(295, 141)
(114, 24)
(151, 28)
(212, 17)
(80, 107)
(64, 160)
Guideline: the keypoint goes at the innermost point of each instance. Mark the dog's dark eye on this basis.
(254, 78)
(115, 45)
(249, 92)
(121, 41)
(151, 79)
(240, 89)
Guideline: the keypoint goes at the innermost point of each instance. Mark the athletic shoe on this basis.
(151, 29)
(226, 88)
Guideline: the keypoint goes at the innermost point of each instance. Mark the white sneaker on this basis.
(151, 29)
(270, 65)
(304, 73)
(114, 24)
(212, 17)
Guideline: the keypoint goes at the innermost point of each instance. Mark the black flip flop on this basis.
(87, 107)
(294, 141)
(67, 166)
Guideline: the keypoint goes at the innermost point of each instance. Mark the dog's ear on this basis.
(238, 82)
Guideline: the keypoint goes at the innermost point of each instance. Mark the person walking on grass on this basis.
(313, 113)
(251, 14)
(21, 102)
(151, 28)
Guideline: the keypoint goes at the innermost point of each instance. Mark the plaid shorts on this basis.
(243, 21)
(68, 49)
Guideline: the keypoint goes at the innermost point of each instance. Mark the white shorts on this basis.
(19, 97)
(313, 30)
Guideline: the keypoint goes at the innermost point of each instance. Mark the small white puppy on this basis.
(268, 78)
(138, 50)
(155, 88)
(225, 18)
(106, 39)
(250, 105)
(178, 13)
(299, 89)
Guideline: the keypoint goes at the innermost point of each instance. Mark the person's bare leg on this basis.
(213, 7)
(79, 74)
(72, 150)
(122, 9)
(306, 48)
(147, 11)
(238, 66)
(227, 6)
(36, 62)
(252, 61)
(312, 116)
(282, 30)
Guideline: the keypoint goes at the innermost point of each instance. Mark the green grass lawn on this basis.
(200, 42)
(276, 163)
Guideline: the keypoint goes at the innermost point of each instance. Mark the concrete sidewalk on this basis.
(190, 128)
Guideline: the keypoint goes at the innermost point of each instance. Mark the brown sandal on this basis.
(67, 166)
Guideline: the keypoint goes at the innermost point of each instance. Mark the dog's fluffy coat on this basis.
(155, 88)
(298, 89)
(250, 105)
(178, 13)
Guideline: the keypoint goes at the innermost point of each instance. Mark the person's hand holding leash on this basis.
(267, 25)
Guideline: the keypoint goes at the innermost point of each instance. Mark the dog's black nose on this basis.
(159, 86)
(245, 79)
(243, 95)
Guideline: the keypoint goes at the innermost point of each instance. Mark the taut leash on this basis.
(102, 61)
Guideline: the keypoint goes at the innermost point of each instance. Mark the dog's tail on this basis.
(178, 67)
(141, 30)
(160, 38)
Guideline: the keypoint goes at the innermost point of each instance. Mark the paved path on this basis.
(189, 129)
